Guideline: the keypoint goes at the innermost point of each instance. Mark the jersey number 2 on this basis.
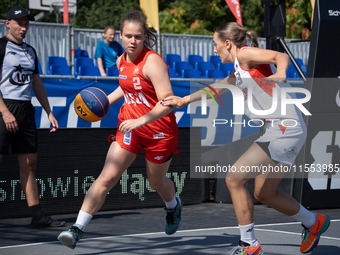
(136, 83)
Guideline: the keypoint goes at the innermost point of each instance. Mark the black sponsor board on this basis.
(320, 164)
(70, 160)
(320, 158)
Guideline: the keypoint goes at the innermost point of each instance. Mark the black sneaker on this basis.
(47, 222)
(70, 237)
(173, 218)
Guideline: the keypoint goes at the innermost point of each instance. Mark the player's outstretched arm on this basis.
(179, 102)
(116, 95)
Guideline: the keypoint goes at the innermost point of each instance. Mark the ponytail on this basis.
(237, 34)
(253, 38)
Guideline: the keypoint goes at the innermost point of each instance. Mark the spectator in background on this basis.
(107, 51)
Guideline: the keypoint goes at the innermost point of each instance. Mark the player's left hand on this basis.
(173, 101)
(129, 125)
(54, 122)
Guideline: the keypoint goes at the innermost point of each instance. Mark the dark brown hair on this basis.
(237, 34)
(137, 17)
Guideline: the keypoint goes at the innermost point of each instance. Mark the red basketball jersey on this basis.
(140, 98)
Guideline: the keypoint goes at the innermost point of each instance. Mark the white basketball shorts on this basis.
(282, 144)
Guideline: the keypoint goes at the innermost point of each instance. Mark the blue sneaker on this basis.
(70, 237)
(173, 217)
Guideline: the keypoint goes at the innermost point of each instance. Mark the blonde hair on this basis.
(137, 17)
(237, 34)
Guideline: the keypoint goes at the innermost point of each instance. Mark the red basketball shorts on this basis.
(156, 150)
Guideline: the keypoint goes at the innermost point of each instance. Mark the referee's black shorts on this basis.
(26, 139)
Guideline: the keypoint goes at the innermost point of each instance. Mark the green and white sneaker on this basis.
(173, 217)
(70, 237)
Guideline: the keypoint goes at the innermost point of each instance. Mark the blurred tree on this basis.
(252, 12)
(8, 4)
(99, 14)
(298, 23)
(207, 15)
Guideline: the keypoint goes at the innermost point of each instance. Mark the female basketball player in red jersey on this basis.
(279, 145)
(143, 123)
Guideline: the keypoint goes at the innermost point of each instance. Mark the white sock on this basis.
(172, 204)
(306, 217)
(248, 234)
(83, 219)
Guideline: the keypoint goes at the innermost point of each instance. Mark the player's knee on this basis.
(257, 196)
(233, 182)
(107, 182)
(29, 166)
(229, 182)
(262, 196)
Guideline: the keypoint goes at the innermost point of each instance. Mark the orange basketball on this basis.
(91, 104)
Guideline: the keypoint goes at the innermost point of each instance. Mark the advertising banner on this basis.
(62, 92)
(235, 8)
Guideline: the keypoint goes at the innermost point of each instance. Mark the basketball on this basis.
(91, 104)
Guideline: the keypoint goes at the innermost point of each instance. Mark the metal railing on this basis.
(50, 39)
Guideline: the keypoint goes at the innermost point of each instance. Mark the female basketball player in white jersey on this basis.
(279, 145)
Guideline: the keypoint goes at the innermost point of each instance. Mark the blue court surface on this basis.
(207, 228)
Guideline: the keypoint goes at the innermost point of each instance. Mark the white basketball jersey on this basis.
(260, 97)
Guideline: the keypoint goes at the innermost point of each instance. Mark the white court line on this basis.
(293, 233)
(181, 231)
(290, 233)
